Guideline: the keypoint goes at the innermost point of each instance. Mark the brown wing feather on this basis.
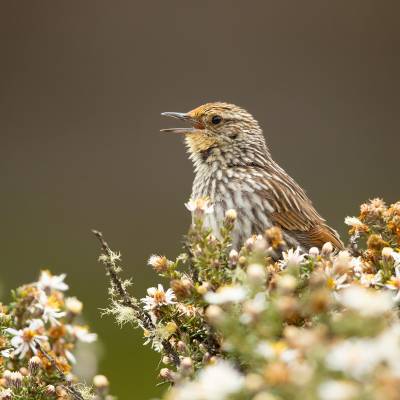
(295, 213)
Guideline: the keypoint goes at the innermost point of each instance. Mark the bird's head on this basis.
(221, 126)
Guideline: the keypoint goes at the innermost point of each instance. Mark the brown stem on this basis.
(126, 299)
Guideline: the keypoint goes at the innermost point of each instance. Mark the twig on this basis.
(71, 389)
(126, 299)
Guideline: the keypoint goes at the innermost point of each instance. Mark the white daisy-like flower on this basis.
(396, 258)
(82, 333)
(26, 339)
(215, 382)
(357, 266)
(335, 281)
(394, 284)
(50, 313)
(368, 302)
(291, 259)
(353, 222)
(47, 282)
(354, 357)
(201, 205)
(337, 390)
(371, 280)
(226, 294)
(158, 297)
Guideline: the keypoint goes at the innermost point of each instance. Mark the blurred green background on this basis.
(82, 85)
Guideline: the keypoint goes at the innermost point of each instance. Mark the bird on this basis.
(234, 169)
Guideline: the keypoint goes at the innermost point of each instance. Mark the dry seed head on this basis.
(158, 263)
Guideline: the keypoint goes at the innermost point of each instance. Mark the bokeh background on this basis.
(82, 85)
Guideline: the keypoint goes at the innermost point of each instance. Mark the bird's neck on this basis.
(231, 156)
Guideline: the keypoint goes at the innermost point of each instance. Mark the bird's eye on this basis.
(216, 119)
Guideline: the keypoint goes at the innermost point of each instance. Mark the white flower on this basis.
(291, 259)
(47, 281)
(73, 305)
(201, 205)
(26, 339)
(50, 313)
(354, 357)
(357, 265)
(396, 258)
(367, 302)
(276, 350)
(360, 357)
(158, 297)
(6, 394)
(253, 308)
(394, 284)
(214, 382)
(353, 222)
(82, 333)
(371, 280)
(337, 390)
(226, 294)
(335, 281)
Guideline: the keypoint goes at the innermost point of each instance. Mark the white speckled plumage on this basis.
(234, 169)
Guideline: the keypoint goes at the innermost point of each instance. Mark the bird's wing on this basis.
(294, 212)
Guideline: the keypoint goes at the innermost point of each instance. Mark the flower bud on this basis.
(73, 305)
(313, 252)
(186, 365)
(231, 215)
(50, 390)
(206, 358)
(387, 254)
(168, 375)
(6, 394)
(101, 383)
(256, 274)
(15, 380)
(24, 371)
(34, 364)
(287, 283)
(181, 347)
(214, 314)
(254, 382)
(327, 249)
(166, 360)
(7, 376)
(233, 257)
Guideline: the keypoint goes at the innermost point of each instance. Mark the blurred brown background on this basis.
(82, 85)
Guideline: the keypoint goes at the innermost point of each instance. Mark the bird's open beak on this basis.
(183, 117)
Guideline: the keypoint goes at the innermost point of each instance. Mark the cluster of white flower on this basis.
(237, 324)
(38, 337)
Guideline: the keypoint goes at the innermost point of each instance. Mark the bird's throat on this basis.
(198, 142)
